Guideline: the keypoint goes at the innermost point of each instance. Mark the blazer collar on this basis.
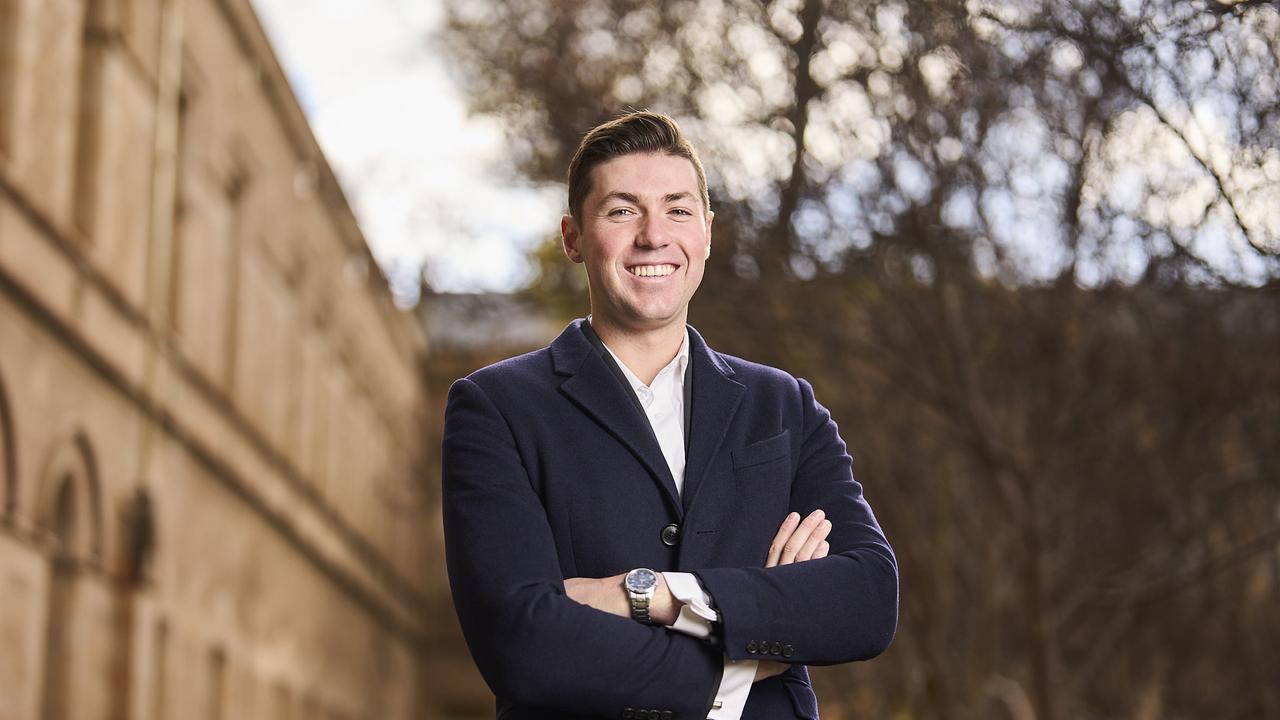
(571, 348)
(715, 399)
(592, 386)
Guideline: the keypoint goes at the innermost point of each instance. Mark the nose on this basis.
(649, 232)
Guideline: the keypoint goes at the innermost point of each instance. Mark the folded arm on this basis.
(835, 609)
(797, 540)
(532, 643)
(839, 608)
(681, 603)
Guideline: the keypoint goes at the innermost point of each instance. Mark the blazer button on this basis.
(751, 647)
(788, 651)
(671, 535)
(628, 713)
(776, 649)
(666, 715)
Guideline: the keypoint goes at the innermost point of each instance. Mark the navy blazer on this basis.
(550, 472)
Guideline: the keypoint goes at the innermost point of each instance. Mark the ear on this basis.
(569, 237)
(710, 216)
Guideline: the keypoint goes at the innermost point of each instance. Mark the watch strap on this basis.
(640, 606)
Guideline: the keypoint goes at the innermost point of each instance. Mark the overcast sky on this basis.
(421, 176)
(425, 180)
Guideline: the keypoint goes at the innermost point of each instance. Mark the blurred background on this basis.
(1028, 253)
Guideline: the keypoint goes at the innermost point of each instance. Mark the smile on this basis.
(651, 270)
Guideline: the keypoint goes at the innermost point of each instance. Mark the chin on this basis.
(653, 321)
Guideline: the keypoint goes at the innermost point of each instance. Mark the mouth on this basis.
(652, 271)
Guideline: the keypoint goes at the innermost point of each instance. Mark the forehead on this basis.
(644, 175)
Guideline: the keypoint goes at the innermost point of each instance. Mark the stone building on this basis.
(213, 501)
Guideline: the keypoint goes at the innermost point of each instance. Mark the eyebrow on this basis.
(623, 196)
(635, 200)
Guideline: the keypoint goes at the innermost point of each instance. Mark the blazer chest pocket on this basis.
(758, 453)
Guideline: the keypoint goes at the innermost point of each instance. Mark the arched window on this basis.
(62, 603)
(69, 503)
(69, 516)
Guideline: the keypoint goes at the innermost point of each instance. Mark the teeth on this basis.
(653, 270)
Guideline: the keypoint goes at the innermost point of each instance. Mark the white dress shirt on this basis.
(663, 403)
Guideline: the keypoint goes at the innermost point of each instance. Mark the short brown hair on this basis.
(635, 132)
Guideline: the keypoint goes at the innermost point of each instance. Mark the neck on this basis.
(644, 352)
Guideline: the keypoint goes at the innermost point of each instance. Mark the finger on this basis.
(800, 537)
(817, 537)
(788, 526)
(791, 550)
(810, 545)
(824, 547)
(576, 589)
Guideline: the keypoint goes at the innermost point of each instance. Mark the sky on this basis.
(429, 188)
(424, 178)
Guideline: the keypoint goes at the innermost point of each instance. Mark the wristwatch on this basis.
(640, 585)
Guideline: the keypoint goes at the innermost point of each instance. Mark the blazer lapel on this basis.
(715, 399)
(592, 386)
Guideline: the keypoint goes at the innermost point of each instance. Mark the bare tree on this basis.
(1028, 253)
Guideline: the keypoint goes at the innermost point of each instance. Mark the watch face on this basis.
(641, 580)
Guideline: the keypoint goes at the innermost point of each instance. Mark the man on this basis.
(637, 526)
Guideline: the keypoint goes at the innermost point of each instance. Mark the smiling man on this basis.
(638, 526)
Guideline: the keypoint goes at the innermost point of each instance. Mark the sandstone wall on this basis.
(212, 499)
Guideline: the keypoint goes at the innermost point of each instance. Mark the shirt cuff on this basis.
(735, 687)
(696, 614)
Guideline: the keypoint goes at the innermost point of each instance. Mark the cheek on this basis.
(607, 249)
(696, 270)
(697, 252)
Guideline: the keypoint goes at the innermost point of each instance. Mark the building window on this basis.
(216, 700)
(160, 671)
(89, 123)
(60, 656)
(9, 22)
(8, 463)
(68, 507)
(281, 702)
(68, 511)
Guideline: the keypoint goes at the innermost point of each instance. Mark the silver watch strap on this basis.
(640, 606)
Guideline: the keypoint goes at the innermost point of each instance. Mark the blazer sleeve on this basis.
(532, 643)
(836, 609)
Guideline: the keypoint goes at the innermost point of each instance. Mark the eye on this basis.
(619, 212)
(682, 211)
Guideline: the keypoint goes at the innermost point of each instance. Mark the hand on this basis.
(798, 541)
(766, 669)
(608, 595)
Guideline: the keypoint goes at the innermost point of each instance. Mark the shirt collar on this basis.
(677, 365)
